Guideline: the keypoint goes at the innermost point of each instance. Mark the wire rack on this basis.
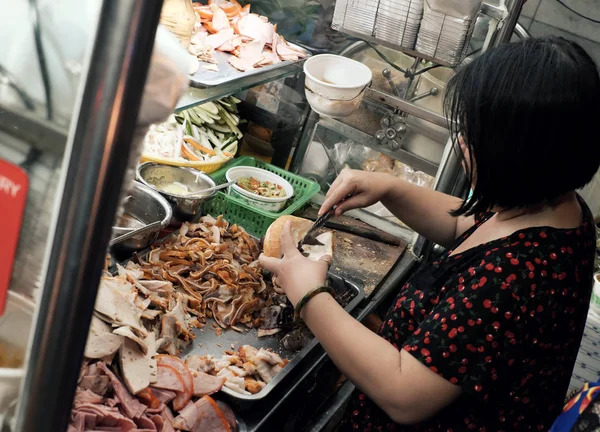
(412, 26)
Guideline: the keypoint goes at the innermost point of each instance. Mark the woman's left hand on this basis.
(295, 273)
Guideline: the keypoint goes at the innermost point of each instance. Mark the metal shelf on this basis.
(197, 96)
(413, 160)
(39, 133)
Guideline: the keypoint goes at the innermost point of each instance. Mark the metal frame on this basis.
(99, 142)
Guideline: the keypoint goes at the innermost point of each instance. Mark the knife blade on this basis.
(310, 238)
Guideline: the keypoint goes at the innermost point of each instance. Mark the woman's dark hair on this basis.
(529, 112)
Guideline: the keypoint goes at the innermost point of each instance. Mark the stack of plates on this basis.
(398, 22)
(444, 36)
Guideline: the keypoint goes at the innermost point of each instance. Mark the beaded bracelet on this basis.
(307, 297)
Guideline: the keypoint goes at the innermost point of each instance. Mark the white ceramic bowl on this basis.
(263, 203)
(15, 326)
(335, 85)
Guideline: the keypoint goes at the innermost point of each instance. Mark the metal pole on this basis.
(97, 151)
(505, 31)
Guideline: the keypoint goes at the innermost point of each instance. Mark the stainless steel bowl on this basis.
(158, 176)
(144, 206)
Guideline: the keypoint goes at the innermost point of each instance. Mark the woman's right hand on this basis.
(364, 188)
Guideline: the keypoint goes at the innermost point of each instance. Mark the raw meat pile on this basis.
(246, 372)
(103, 403)
(228, 27)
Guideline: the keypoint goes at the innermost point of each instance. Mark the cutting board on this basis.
(363, 260)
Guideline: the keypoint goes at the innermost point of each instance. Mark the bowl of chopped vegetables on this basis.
(259, 187)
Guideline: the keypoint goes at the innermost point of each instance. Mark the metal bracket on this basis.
(406, 107)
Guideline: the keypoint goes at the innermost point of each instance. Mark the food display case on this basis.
(75, 138)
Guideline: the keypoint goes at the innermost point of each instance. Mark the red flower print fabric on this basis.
(503, 321)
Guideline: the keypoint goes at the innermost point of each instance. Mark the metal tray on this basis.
(227, 73)
(215, 345)
(207, 342)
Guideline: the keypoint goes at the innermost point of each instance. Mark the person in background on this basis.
(486, 335)
(582, 412)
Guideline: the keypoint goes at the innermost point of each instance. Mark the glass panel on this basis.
(40, 64)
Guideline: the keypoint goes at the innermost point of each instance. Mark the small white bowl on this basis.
(335, 85)
(263, 203)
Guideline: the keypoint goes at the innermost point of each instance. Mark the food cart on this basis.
(77, 171)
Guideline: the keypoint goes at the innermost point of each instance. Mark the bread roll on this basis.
(300, 226)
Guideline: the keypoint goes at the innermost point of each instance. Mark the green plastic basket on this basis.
(254, 220)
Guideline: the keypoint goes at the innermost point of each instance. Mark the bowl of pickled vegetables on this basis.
(259, 188)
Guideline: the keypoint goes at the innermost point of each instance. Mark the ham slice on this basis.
(169, 379)
(183, 397)
(254, 26)
(219, 38)
(169, 419)
(205, 384)
(202, 416)
(130, 405)
(96, 383)
(228, 46)
(249, 55)
(220, 20)
(86, 396)
(165, 396)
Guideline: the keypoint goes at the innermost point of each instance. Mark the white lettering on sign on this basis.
(7, 186)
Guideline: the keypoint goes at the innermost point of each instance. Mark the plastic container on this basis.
(255, 220)
(264, 203)
(335, 85)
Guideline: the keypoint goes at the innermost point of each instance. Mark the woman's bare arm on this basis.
(422, 209)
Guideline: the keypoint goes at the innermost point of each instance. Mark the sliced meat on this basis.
(219, 20)
(130, 405)
(205, 384)
(145, 423)
(158, 421)
(157, 286)
(201, 364)
(218, 39)
(101, 342)
(250, 55)
(99, 384)
(167, 415)
(187, 417)
(134, 366)
(168, 335)
(229, 415)
(253, 26)
(286, 52)
(202, 415)
(210, 417)
(169, 379)
(184, 397)
(106, 417)
(129, 334)
(229, 46)
(86, 396)
(165, 396)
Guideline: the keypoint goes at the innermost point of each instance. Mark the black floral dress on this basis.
(502, 320)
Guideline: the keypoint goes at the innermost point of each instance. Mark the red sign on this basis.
(13, 194)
